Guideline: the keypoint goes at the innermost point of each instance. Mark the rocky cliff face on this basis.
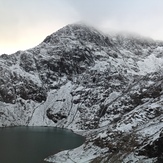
(107, 87)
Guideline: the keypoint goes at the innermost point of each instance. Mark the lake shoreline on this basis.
(49, 129)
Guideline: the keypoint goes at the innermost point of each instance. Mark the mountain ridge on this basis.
(106, 88)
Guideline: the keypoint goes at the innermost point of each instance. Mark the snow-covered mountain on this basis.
(107, 88)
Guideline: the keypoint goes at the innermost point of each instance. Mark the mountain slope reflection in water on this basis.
(33, 144)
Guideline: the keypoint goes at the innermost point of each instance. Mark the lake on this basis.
(33, 144)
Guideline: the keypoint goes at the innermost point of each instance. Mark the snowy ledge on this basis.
(82, 154)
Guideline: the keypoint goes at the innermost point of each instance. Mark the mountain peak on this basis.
(107, 88)
(80, 32)
(76, 28)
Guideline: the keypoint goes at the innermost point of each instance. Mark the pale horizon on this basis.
(25, 24)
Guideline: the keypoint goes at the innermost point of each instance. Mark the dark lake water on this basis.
(33, 144)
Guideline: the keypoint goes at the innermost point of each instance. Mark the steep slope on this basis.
(106, 88)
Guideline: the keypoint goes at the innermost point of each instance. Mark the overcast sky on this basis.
(25, 23)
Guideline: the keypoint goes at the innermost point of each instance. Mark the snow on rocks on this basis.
(106, 88)
(82, 154)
